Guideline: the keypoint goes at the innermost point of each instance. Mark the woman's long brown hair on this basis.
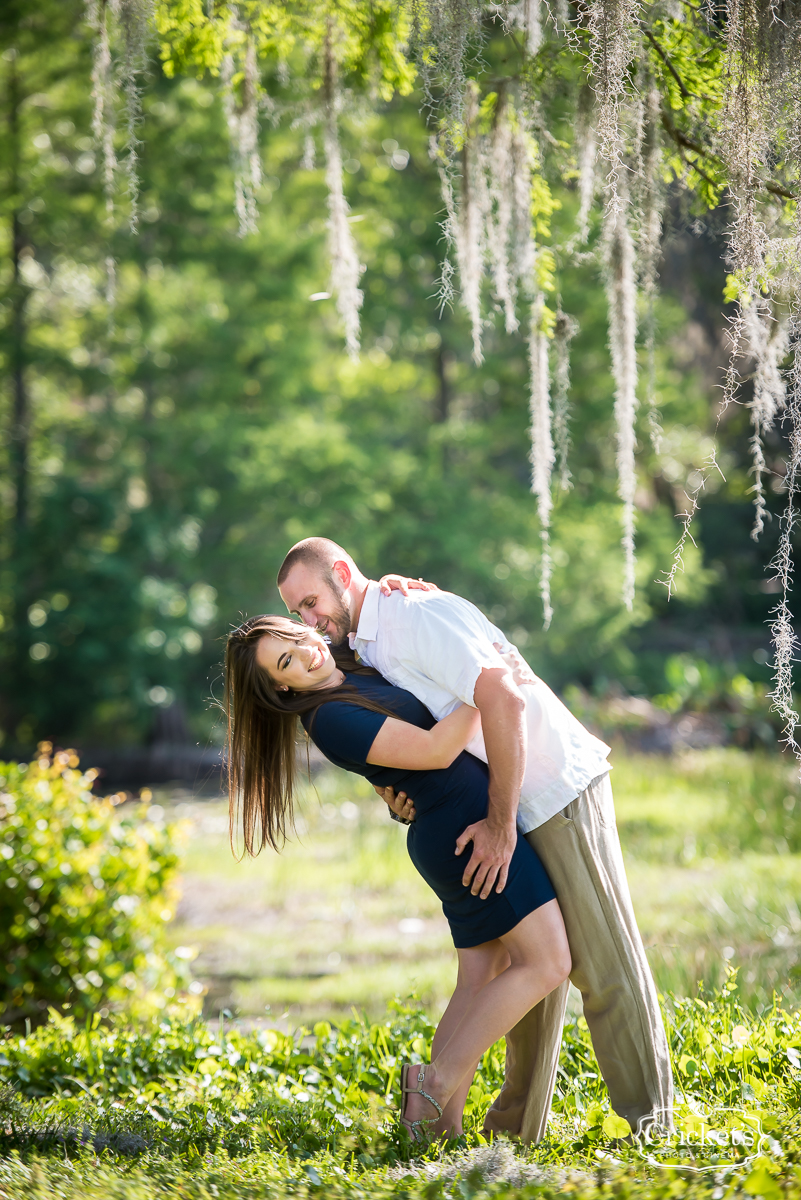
(262, 728)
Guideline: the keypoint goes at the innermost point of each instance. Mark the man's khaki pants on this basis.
(580, 850)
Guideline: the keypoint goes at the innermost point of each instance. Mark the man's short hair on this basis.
(314, 552)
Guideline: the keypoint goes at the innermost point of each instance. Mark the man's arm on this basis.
(444, 639)
(502, 709)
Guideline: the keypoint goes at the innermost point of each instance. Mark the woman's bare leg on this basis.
(539, 962)
(478, 965)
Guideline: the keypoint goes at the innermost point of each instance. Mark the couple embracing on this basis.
(417, 691)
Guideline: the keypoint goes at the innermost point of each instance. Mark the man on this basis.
(443, 650)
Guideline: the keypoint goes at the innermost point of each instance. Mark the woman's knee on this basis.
(479, 965)
(551, 967)
(562, 961)
(539, 942)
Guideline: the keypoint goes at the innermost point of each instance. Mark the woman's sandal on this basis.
(413, 1126)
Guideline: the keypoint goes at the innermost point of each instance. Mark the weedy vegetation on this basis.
(127, 1102)
(182, 1107)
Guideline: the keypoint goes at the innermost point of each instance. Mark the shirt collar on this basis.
(367, 629)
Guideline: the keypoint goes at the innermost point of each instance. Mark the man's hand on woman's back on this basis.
(401, 583)
(401, 805)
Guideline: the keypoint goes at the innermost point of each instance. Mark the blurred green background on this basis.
(175, 444)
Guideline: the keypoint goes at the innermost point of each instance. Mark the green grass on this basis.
(189, 1109)
(234, 1109)
(709, 840)
(340, 919)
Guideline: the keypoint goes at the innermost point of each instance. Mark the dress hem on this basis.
(507, 926)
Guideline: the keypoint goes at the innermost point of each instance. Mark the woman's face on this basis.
(303, 666)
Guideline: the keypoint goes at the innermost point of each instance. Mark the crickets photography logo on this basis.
(705, 1139)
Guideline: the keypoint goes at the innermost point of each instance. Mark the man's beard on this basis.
(339, 617)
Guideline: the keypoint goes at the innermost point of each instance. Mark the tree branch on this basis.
(681, 138)
(687, 95)
(686, 143)
(776, 189)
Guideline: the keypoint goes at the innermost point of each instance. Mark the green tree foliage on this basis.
(195, 37)
(85, 891)
(177, 440)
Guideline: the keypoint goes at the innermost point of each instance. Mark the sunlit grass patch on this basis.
(707, 803)
(698, 920)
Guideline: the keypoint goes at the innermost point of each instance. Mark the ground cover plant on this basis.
(181, 1105)
(122, 1104)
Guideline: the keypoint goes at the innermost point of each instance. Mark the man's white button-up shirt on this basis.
(436, 645)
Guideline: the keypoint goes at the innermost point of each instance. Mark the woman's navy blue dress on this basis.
(446, 802)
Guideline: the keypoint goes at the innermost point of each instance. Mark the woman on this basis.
(512, 947)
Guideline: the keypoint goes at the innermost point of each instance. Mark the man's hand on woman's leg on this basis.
(502, 709)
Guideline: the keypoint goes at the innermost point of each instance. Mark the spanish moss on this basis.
(650, 204)
(488, 216)
(470, 225)
(784, 637)
(442, 32)
(135, 19)
(611, 25)
(241, 114)
(308, 162)
(542, 448)
(686, 518)
(637, 124)
(621, 293)
(345, 266)
(586, 152)
(767, 339)
(111, 284)
(501, 181)
(565, 329)
(99, 13)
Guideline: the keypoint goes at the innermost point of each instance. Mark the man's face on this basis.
(316, 597)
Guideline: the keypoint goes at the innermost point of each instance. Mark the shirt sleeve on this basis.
(451, 643)
(345, 731)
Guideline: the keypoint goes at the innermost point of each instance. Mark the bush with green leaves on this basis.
(85, 892)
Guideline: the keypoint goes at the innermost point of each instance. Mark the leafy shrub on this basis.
(738, 709)
(85, 892)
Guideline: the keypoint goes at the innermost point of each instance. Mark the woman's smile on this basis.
(302, 665)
